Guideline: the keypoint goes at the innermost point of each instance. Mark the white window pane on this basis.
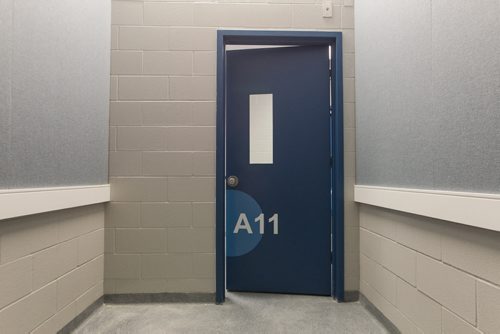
(261, 128)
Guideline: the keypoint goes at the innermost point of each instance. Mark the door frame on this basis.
(267, 37)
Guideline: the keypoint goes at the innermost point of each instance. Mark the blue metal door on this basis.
(278, 212)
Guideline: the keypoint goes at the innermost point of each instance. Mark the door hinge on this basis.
(330, 73)
(331, 110)
(331, 257)
(331, 161)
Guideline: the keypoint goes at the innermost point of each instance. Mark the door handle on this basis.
(232, 181)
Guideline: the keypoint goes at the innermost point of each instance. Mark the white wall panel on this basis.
(5, 86)
(466, 94)
(60, 85)
(428, 94)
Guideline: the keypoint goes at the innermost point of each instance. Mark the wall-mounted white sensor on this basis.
(327, 8)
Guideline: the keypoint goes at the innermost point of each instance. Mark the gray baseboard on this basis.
(379, 315)
(73, 324)
(134, 298)
(351, 296)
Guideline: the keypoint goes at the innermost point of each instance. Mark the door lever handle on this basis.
(232, 181)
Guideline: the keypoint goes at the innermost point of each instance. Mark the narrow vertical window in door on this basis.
(261, 128)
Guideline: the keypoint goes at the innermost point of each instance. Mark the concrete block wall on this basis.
(160, 233)
(430, 276)
(51, 268)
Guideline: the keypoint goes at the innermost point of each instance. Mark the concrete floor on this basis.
(242, 313)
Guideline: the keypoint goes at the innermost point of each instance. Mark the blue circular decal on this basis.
(242, 234)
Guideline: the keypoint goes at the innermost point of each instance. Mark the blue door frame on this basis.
(259, 37)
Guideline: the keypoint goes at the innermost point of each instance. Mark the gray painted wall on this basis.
(428, 94)
(54, 92)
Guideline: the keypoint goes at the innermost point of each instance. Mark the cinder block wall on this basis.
(430, 276)
(51, 268)
(160, 224)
